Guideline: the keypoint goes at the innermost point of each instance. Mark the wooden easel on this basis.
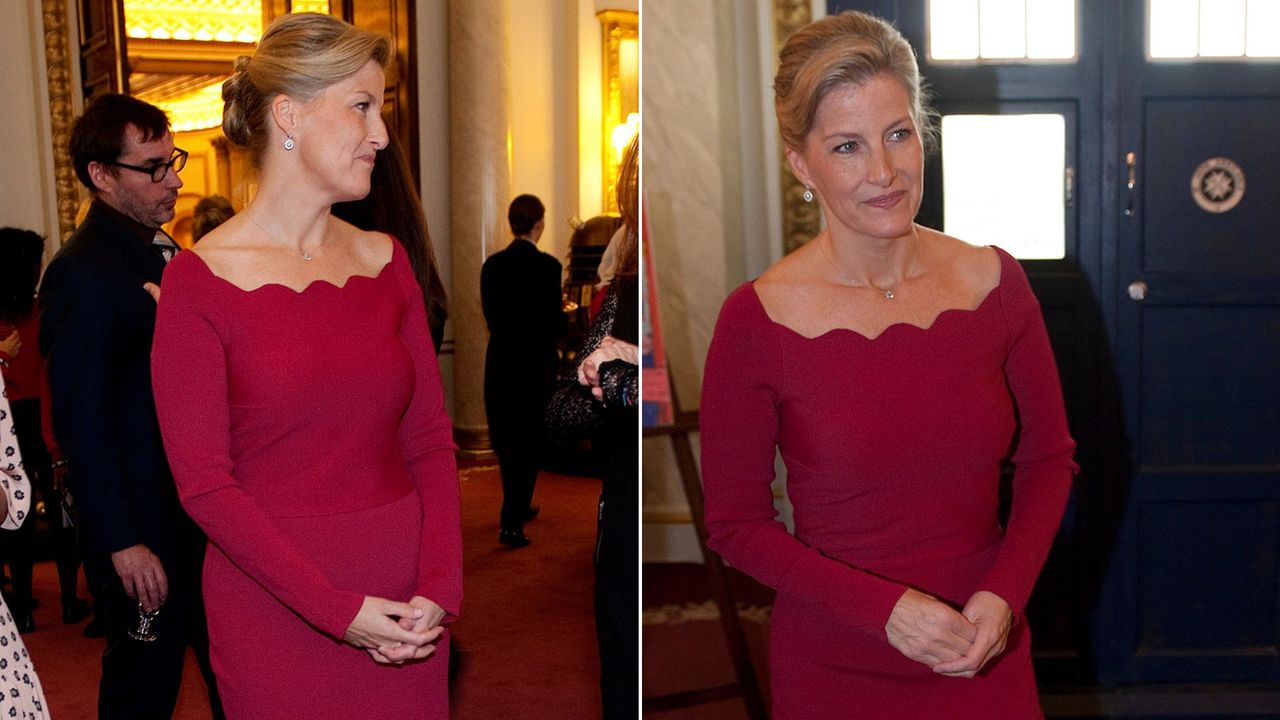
(746, 686)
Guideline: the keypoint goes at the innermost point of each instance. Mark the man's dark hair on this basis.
(524, 213)
(99, 134)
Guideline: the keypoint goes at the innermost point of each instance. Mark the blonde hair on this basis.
(844, 49)
(298, 55)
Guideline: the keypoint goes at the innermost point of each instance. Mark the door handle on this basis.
(1137, 291)
(1131, 160)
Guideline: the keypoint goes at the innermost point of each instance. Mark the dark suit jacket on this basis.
(95, 333)
(520, 294)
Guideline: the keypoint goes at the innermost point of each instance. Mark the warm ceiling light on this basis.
(315, 6)
(199, 109)
(201, 20)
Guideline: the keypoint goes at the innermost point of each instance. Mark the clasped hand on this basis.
(952, 643)
(395, 632)
(610, 348)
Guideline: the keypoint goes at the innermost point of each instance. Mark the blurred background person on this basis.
(21, 695)
(210, 212)
(602, 394)
(522, 300)
(21, 260)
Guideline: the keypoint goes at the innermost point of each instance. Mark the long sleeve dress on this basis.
(893, 448)
(308, 437)
(21, 695)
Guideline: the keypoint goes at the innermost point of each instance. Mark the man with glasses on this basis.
(142, 553)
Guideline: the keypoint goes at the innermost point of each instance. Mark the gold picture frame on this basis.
(57, 54)
(620, 70)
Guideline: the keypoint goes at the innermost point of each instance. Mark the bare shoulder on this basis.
(371, 250)
(784, 278)
(976, 268)
(792, 293)
(228, 247)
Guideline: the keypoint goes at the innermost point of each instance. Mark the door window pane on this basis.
(1002, 30)
(1002, 182)
(1183, 29)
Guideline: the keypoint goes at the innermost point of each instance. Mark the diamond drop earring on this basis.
(808, 194)
(288, 143)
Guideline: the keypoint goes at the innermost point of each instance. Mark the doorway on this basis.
(1164, 313)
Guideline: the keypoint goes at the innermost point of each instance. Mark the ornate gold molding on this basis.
(616, 26)
(57, 53)
(800, 219)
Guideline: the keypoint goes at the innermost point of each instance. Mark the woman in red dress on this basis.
(894, 368)
(302, 409)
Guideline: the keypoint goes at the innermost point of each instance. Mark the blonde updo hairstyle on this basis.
(838, 50)
(299, 55)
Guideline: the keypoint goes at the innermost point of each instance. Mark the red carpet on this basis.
(526, 640)
(683, 646)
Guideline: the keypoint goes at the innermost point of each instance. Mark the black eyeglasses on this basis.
(159, 170)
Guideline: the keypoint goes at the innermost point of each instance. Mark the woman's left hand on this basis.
(610, 348)
(432, 614)
(993, 618)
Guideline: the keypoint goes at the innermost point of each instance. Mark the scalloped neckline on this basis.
(282, 286)
(891, 327)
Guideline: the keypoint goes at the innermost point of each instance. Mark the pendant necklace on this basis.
(887, 292)
(306, 256)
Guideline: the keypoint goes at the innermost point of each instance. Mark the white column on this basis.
(480, 178)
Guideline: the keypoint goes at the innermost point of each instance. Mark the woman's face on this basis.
(864, 159)
(340, 132)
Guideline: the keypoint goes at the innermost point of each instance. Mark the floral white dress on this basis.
(21, 695)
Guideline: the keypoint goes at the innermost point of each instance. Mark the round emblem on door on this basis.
(1217, 185)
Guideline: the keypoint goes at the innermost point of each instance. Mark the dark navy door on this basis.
(1165, 320)
(1193, 588)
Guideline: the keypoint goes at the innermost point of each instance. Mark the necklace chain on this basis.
(887, 292)
(305, 255)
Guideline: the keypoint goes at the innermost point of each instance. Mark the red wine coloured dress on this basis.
(893, 449)
(308, 437)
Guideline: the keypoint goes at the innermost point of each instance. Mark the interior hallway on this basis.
(526, 641)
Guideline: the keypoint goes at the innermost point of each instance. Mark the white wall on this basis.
(27, 198)
(711, 177)
(432, 47)
(543, 41)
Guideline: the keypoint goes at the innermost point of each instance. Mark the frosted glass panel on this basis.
(1184, 29)
(954, 30)
(1262, 36)
(1222, 28)
(1175, 28)
(1002, 30)
(1002, 182)
(1003, 27)
(1051, 30)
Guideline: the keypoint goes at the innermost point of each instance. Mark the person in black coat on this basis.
(95, 333)
(520, 294)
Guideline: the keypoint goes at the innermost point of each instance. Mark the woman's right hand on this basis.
(11, 345)
(376, 630)
(927, 630)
